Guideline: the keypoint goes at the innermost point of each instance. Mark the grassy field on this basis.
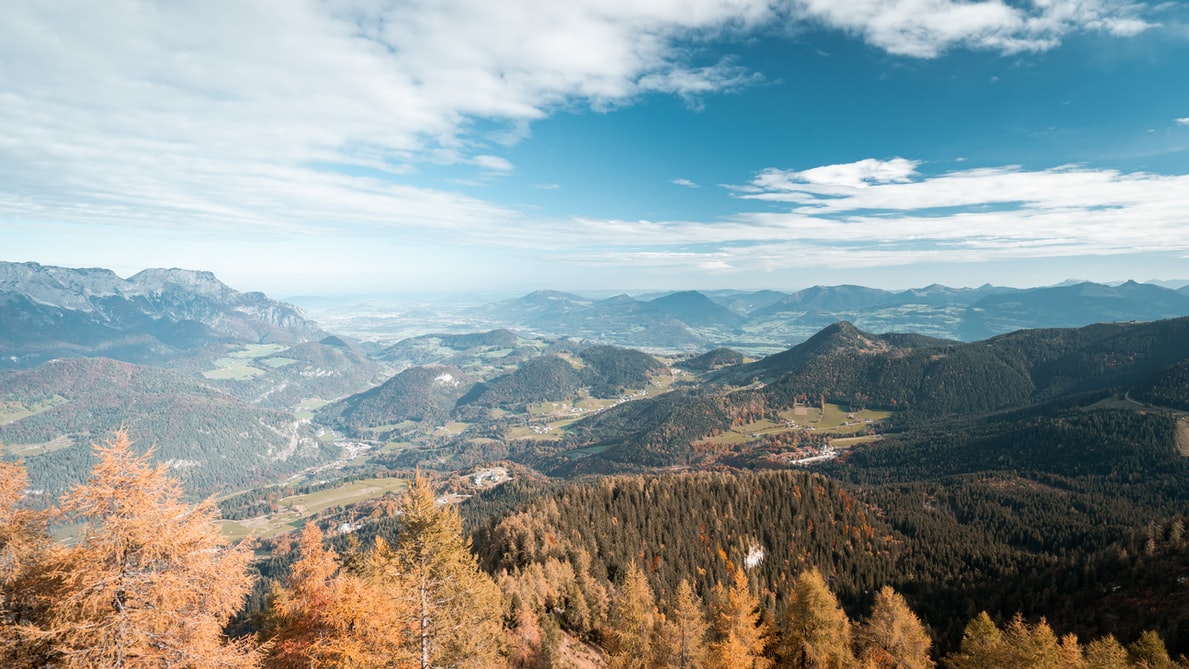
(294, 510)
(14, 411)
(238, 365)
(55, 444)
(452, 428)
(307, 407)
(835, 420)
(557, 415)
(403, 426)
(847, 442)
(583, 452)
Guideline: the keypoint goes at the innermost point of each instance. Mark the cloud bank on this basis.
(314, 117)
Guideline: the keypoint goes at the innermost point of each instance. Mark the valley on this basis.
(1039, 471)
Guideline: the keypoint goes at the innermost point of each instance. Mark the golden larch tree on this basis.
(631, 621)
(982, 646)
(681, 641)
(150, 582)
(323, 616)
(815, 631)
(1106, 653)
(26, 582)
(893, 637)
(453, 609)
(740, 636)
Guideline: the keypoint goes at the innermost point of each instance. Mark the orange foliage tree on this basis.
(149, 583)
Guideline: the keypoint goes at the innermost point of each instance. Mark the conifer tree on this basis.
(150, 582)
(25, 584)
(681, 642)
(1070, 654)
(815, 632)
(631, 620)
(893, 637)
(453, 608)
(1148, 652)
(326, 617)
(740, 636)
(982, 645)
(1106, 653)
(1031, 646)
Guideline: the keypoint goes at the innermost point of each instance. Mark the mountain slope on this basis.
(1071, 306)
(416, 394)
(53, 413)
(151, 317)
(920, 379)
(695, 309)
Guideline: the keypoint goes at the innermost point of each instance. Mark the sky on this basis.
(304, 147)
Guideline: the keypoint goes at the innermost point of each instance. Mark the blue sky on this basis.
(357, 146)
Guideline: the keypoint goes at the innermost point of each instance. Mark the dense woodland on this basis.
(782, 569)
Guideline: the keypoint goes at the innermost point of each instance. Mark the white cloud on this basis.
(493, 163)
(859, 174)
(313, 116)
(684, 182)
(886, 214)
(1182, 121)
(926, 28)
(308, 114)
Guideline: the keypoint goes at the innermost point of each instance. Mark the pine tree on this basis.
(631, 621)
(681, 642)
(150, 582)
(893, 637)
(740, 636)
(815, 630)
(454, 610)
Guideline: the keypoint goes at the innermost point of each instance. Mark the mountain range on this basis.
(767, 321)
(1014, 450)
(156, 315)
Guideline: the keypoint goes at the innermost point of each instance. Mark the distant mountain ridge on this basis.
(48, 312)
(767, 321)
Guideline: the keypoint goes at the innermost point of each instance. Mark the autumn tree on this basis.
(893, 637)
(325, 616)
(1106, 653)
(1031, 646)
(150, 582)
(982, 645)
(453, 608)
(681, 640)
(740, 637)
(25, 584)
(631, 621)
(815, 631)
(1148, 652)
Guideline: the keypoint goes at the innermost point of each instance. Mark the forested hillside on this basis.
(213, 441)
(696, 570)
(417, 394)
